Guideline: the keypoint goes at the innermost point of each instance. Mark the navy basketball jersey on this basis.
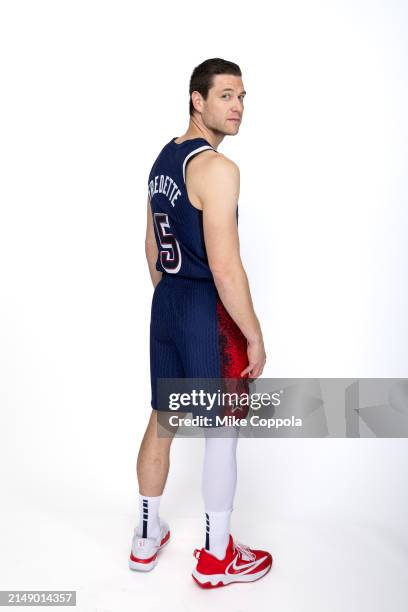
(178, 225)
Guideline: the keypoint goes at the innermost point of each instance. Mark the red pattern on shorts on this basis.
(233, 357)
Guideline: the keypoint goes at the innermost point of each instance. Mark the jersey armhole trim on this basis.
(204, 148)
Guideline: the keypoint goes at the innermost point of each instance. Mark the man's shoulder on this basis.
(213, 162)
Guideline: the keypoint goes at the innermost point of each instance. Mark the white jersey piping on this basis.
(193, 153)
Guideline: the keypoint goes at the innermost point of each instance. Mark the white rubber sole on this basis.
(142, 567)
(146, 567)
(224, 579)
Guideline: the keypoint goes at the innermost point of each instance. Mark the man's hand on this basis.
(256, 357)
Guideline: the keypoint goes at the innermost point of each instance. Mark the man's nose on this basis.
(237, 105)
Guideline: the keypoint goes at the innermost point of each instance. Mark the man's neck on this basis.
(196, 130)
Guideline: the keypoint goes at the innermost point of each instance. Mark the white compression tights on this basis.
(220, 469)
(218, 486)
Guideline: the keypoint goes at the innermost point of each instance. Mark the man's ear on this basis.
(197, 100)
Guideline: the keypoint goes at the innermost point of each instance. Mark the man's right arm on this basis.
(218, 192)
(151, 249)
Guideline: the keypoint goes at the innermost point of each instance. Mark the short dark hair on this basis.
(203, 76)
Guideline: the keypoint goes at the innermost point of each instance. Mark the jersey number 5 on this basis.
(170, 255)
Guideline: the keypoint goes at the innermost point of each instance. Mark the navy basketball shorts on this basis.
(193, 336)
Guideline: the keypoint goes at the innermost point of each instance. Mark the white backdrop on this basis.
(91, 91)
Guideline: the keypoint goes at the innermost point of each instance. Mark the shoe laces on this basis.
(244, 550)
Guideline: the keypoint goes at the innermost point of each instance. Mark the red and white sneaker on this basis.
(240, 564)
(143, 554)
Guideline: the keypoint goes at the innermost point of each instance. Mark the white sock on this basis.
(217, 532)
(149, 522)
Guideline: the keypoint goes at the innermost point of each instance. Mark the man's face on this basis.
(222, 111)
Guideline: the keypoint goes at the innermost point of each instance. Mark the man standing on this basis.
(203, 323)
